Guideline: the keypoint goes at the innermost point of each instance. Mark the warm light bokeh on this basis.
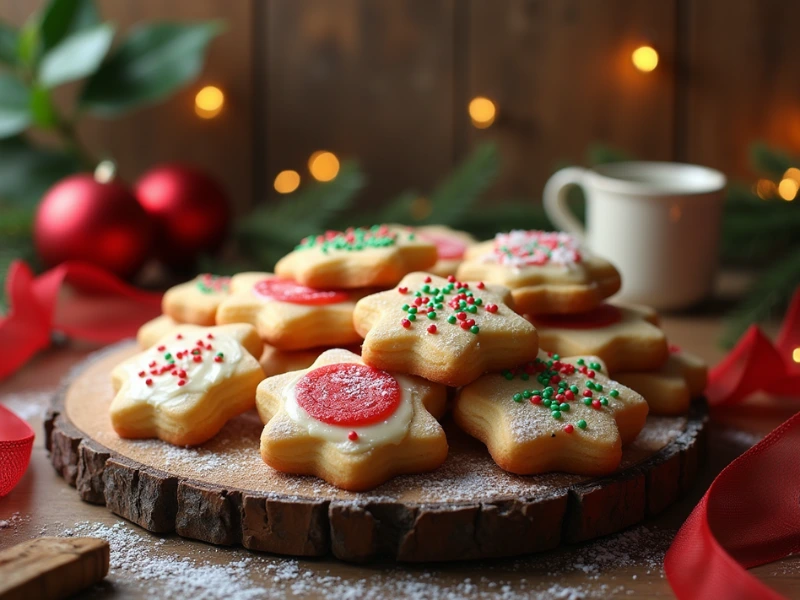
(286, 182)
(323, 165)
(645, 58)
(796, 355)
(208, 102)
(787, 189)
(766, 189)
(482, 111)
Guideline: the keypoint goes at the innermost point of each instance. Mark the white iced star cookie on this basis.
(451, 246)
(188, 385)
(291, 316)
(196, 301)
(350, 424)
(552, 415)
(547, 272)
(623, 336)
(669, 389)
(444, 330)
(361, 257)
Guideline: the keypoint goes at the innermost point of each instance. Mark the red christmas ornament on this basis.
(99, 222)
(190, 210)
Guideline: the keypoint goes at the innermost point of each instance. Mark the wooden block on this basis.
(48, 568)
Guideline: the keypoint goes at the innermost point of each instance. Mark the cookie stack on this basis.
(562, 290)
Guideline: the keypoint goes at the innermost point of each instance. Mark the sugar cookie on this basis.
(443, 330)
(624, 337)
(350, 424)
(363, 257)
(187, 386)
(547, 272)
(196, 301)
(276, 362)
(154, 330)
(288, 315)
(552, 415)
(451, 245)
(669, 389)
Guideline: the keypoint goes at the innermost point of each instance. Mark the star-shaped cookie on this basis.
(451, 246)
(623, 336)
(288, 315)
(350, 424)
(196, 301)
(188, 385)
(378, 256)
(547, 272)
(444, 330)
(154, 330)
(670, 388)
(552, 414)
(276, 362)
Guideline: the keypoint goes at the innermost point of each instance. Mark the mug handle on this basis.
(555, 200)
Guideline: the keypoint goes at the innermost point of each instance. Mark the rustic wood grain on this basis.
(741, 80)
(49, 568)
(359, 531)
(562, 77)
(371, 81)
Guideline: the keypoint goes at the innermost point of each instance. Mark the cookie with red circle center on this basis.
(451, 245)
(547, 272)
(351, 424)
(291, 316)
(196, 301)
(625, 337)
(552, 414)
(377, 256)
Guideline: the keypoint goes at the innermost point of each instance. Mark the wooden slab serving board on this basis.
(222, 493)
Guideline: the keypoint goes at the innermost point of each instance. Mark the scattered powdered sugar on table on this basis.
(151, 565)
(28, 405)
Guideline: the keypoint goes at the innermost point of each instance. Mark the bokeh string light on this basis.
(645, 58)
(482, 111)
(787, 188)
(208, 102)
(323, 165)
(286, 181)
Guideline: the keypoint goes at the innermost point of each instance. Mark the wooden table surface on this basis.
(145, 565)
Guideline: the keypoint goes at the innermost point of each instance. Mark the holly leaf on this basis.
(42, 110)
(15, 113)
(76, 57)
(62, 18)
(150, 64)
(9, 41)
(27, 171)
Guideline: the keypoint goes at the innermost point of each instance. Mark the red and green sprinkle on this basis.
(213, 284)
(434, 302)
(354, 239)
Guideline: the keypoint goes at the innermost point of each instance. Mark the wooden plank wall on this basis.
(389, 83)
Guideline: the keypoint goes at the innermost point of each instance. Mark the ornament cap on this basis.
(106, 171)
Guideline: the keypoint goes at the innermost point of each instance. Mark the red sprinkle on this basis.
(353, 436)
(181, 382)
(432, 329)
(596, 403)
(465, 325)
(569, 428)
(461, 316)
(217, 359)
(481, 285)
(403, 290)
(141, 373)
(569, 395)
(162, 348)
(590, 374)
(198, 358)
(492, 308)
(451, 278)
(555, 379)
(536, 399)
(179, 336)
(210, 336)
(427, 279)
(182, 373)
(405, 323)
(560, 398)
(148, 381)
(587, 393)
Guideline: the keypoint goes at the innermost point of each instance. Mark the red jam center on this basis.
(348, 394)
(602, 316)
(447, 246)
(286, 290)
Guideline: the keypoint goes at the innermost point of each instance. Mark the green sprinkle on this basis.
(574, 389)
(581, 424)
(167, 356)
(598, 387)
(596, 366)
(581, 362)
(474, 329)
(526, 394)
(426, 288)
(547, 402)
(438, 306)
(412, 316)
(431, 315)
(405, 307)
(564, 406)
(507, 374)
(556, 357)
(604, 401)
(478, 301)
(587, 401)
(524, 376)
(452, 320)
(614, 393)
(590, 384)
(556, 414)
(517, 397)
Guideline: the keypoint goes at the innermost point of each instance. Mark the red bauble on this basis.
(190, 210)
(80, 218)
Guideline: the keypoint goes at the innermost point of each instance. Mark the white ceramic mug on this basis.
(658, 222)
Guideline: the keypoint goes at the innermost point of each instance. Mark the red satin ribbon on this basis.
(105, 311)
(750, 514)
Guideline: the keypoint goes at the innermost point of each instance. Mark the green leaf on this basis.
(149, 65)
(76, 57)
(768, 296)
(28, 43)
(27, 171)
(15, 113)
(61, 18)
(42, 109)
(9, 41)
